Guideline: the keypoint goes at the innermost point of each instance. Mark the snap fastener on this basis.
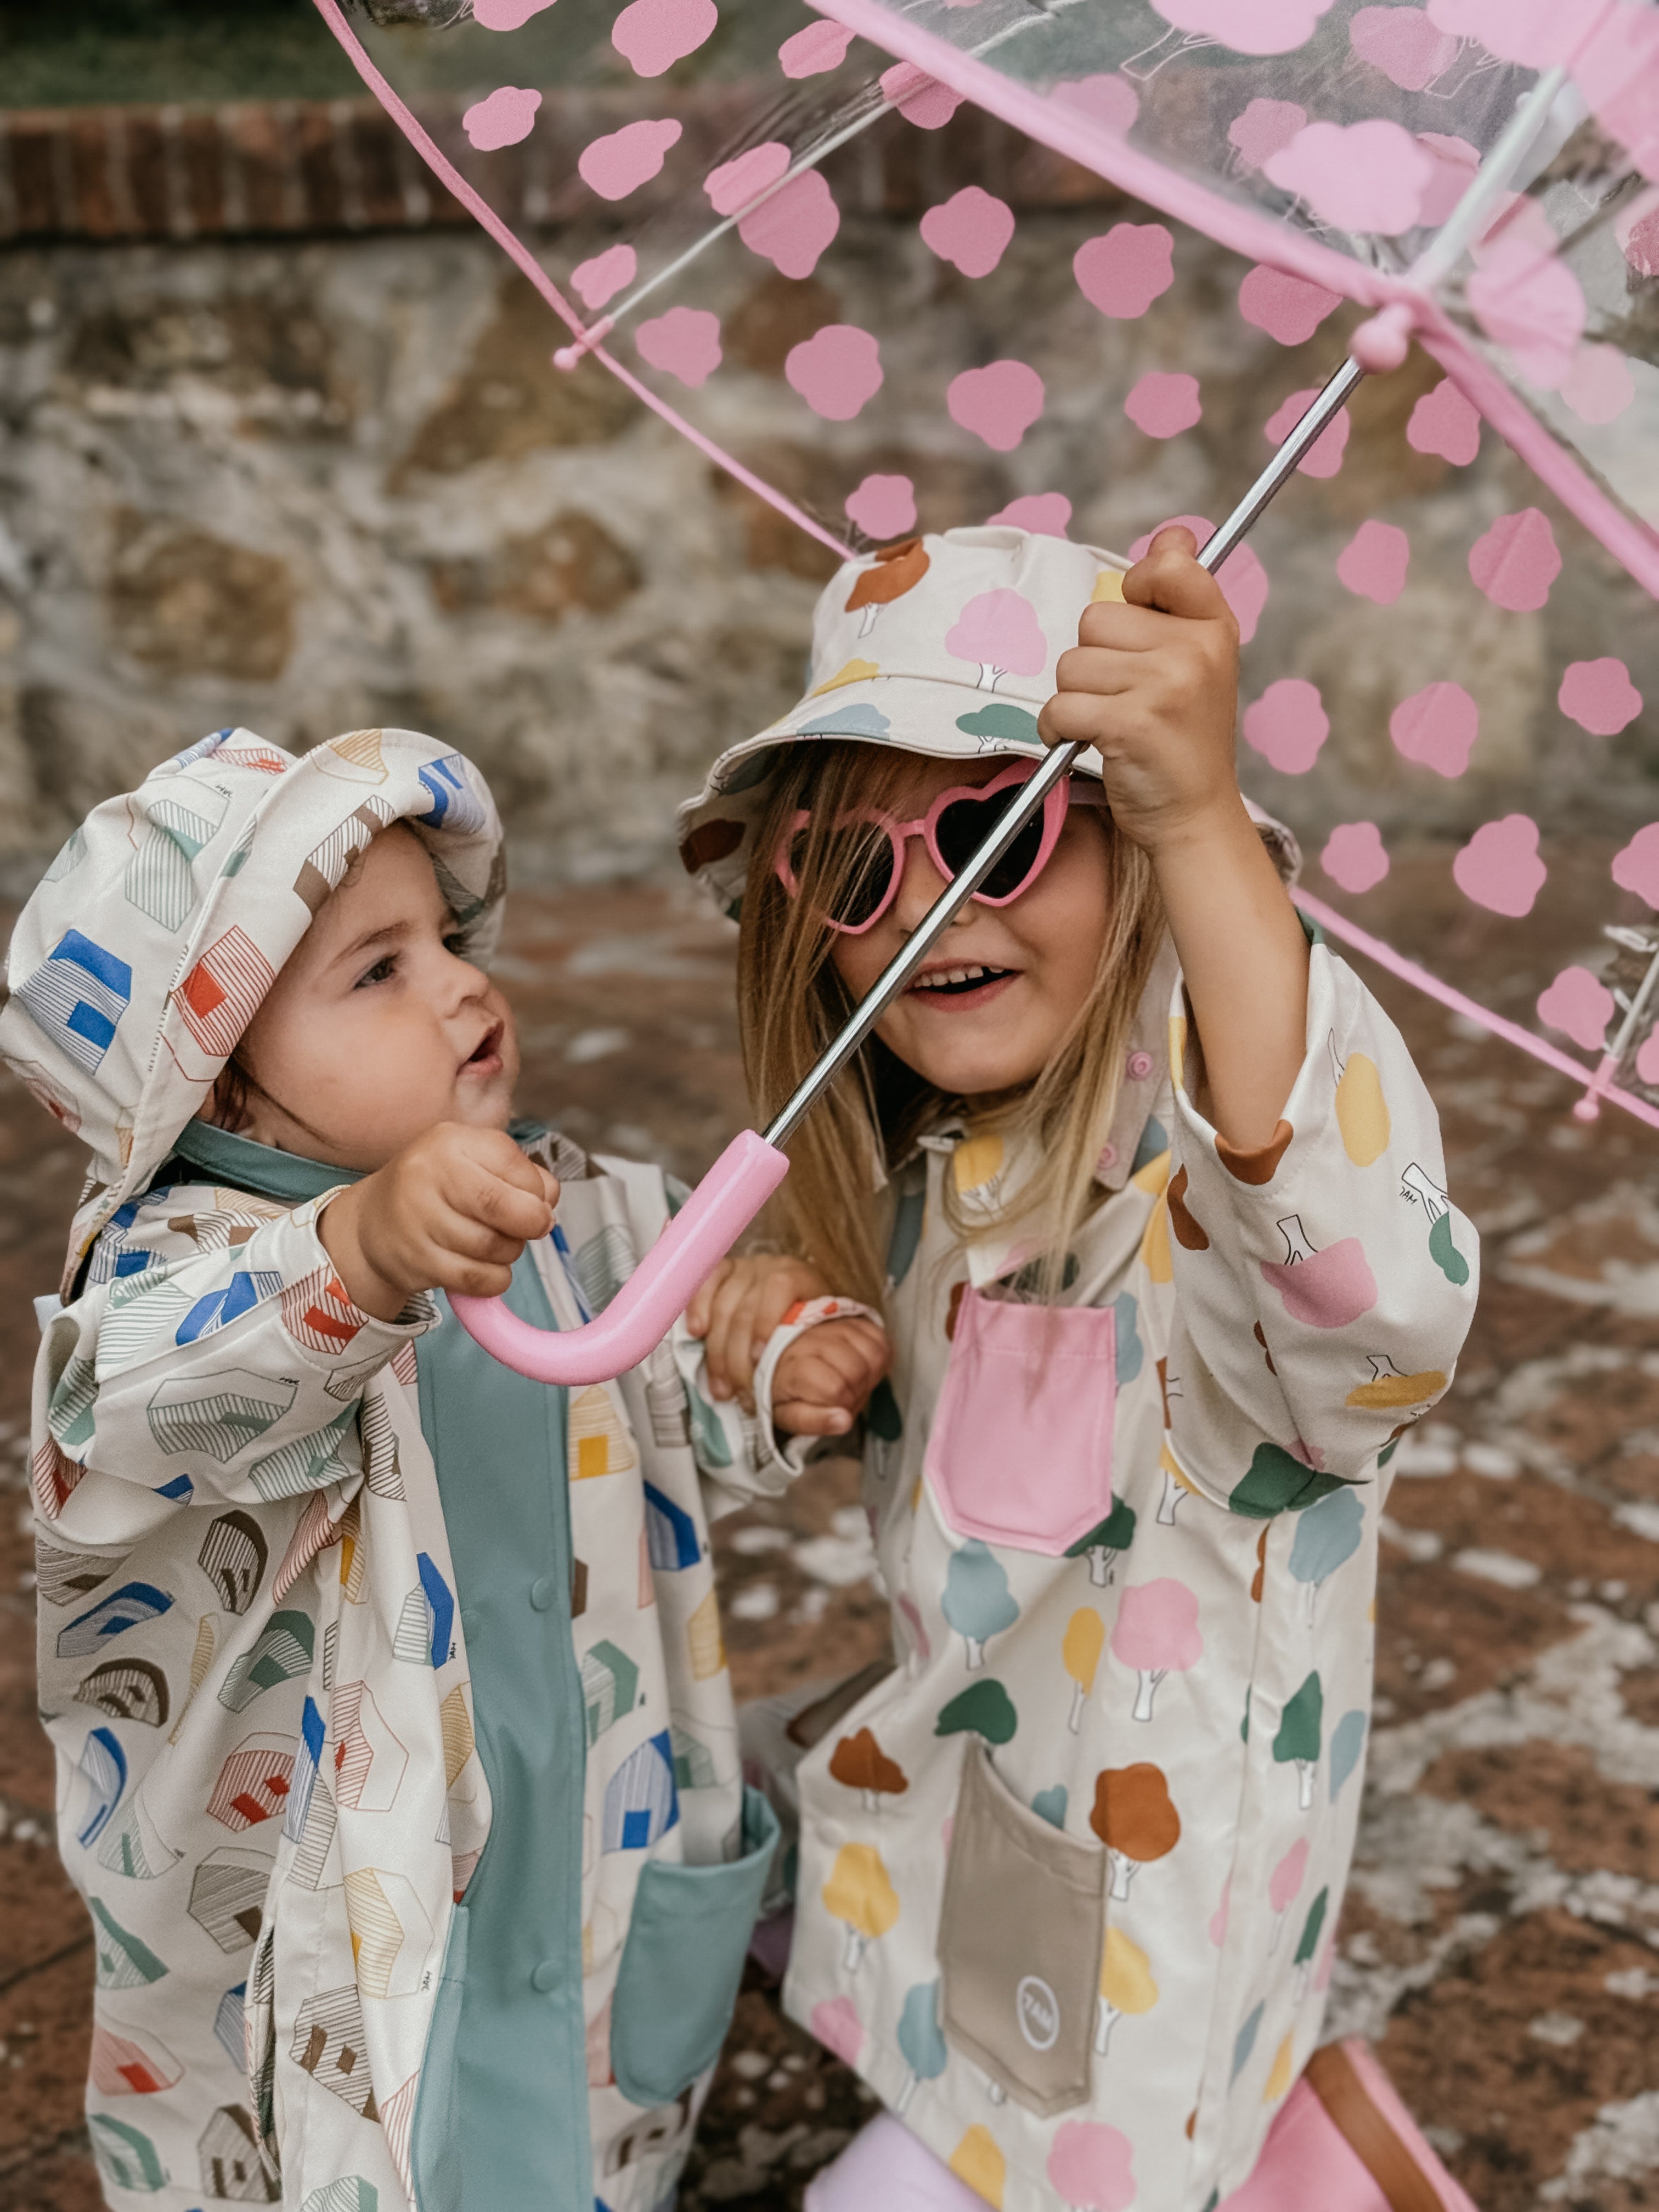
(1139, 1066)
(544, 1593)
(544, 1977)
(471, 1624)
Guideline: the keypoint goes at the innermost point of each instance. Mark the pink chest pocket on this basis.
(1020, 1452)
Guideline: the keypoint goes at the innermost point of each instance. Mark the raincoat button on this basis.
(1139, 1066)
(544, 1591)
(471, 1626)
(544, 1977)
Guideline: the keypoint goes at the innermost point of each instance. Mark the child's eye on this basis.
(455, 944)
(381, 972)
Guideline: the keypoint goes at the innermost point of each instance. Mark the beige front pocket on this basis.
(1020, 1940)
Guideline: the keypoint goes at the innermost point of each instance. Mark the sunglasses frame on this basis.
(1064, 793)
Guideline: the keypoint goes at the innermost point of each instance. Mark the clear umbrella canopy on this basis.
(1480, 175)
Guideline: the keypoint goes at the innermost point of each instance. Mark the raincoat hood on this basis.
(945, 645)
(143, 956)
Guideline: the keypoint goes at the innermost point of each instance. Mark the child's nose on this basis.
(921, 887)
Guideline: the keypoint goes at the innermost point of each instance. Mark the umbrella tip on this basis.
(1382, 343)
(1587, 1109)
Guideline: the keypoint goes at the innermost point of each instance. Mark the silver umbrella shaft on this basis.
(901, 968)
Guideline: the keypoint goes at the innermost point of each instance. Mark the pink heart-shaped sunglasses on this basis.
(868, 872)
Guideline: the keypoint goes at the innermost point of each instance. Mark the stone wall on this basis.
(321, 475)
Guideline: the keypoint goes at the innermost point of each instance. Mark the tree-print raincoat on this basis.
(398, 1761)
(1070, 1873)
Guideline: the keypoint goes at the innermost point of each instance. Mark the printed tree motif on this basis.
(1157, 1631)
(921, 2040)
(978, 2161)
(1419, 1188)
(1276, 1482)
(1326, 1535)
(837, 2026)
(1091, 2168)
(1126, 1986)
(1298, 1742)
(1347, 1742)
(1135, 1818)
(1312, 1928)
(861, 1763)
(1106, 1543)
(858, 1893)
(1323, 1289)
(984, 1709)
(977, 1601)
(898, 569)
(1080, 1650)
(1175, 1487)
(1361, 1111)
(1284, 1884)
(1000, 631)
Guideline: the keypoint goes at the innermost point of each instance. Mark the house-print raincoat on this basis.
(1070, 1873)
(256, 1593)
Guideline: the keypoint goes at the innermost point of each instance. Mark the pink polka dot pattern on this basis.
(1047, 513)
(652, 35)
(1288, 725)
(1437, 728)
(1516, 561)
(1289, 308)
(970, 231)
(1444, 423)
(686, 342)
(503, 119)
(608, 273)
(791, 229)
(999, 402)
(884, 507)
(1600, 696)
(1110, 100)
(623, 161)
(1124, 271)
(1324, 457)
(1361, 176)
(1164, 404)
(1374, 562)
(1500, 867)
(734, 183)
(1636, 867)
(1354, 856)
(814, 51)
(1579, 1005)
(835, 371)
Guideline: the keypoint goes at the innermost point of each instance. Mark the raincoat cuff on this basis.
(419, 1310)
(790, 1459)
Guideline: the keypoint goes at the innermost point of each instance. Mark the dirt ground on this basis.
(1501, 1942)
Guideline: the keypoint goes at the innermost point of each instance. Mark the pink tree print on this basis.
(1157, 1631)
(1091, 2168)
(1000, 631)
(1284, 1884)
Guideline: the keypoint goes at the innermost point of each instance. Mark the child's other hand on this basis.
(1152, 684)
(736, 1311)
(452, 1212)
(825, 1378)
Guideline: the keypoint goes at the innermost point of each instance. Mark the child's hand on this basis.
(736, 1311)
(452, 1212)
(1153, 685)
(825, 1378)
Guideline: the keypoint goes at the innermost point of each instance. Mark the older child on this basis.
(1152, 1193)
(399, 1768)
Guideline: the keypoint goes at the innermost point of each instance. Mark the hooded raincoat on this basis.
(1070, 1871)
(398, 1761)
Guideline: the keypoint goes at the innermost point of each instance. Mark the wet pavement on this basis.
(1501, 1942)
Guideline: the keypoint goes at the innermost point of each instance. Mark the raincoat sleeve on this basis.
(1324, 1282)
(218, 1354)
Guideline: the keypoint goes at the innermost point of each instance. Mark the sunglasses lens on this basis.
(966, 824)
(854, 871)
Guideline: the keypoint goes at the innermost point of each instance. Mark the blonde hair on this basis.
(791, 1001)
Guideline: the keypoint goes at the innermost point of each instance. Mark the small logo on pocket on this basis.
(1037, 2010)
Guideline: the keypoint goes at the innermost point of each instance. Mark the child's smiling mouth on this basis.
(956, 989)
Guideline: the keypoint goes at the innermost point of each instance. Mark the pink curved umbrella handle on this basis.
(648, 1305)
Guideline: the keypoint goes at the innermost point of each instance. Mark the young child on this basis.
(341, 1624)
(1169, 1264)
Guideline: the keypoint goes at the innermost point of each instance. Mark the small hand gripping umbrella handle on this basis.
(751, 1167)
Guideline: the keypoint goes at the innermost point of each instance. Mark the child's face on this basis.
(377, 1029)
(1038, 955)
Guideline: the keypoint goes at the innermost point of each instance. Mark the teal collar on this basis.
(258, 1168)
